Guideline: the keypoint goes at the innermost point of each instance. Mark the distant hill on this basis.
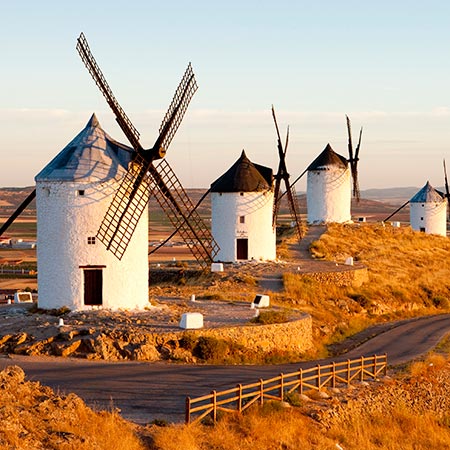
(374, 202)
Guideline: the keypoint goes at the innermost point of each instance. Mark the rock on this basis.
(4, 339)
(145, 352)
(20, 338)
(65, 349)
(323, 395)
(12, 374)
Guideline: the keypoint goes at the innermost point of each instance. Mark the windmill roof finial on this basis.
(93, 121)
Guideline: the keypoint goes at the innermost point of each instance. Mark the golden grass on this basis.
(33, 417)
(411, 412)
(408, 276)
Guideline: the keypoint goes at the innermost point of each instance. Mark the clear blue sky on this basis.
(386, 64)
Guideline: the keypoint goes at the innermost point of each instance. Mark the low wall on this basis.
(290, 336)
(354, 277)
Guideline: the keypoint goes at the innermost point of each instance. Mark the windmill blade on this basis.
(447, 191)
(359, 145)
(350, 143)
(396, 211)
(178, 206)
(353, 159)
(129, 202)
(131, 199)
(18, 211)
(279, 175)
(294, 209)
(177, 230)
(122, 119)
(174, 115)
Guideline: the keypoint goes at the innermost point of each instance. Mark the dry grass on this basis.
(34, 417)
(411, 412)
(408, 276)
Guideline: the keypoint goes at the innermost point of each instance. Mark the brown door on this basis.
(93, 286)
(242, 248)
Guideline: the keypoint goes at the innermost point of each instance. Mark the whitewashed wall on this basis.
(328, 196)
(227, 207)
(64, 222)
(431, 216)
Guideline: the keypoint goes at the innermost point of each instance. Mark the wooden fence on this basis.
(241, 397)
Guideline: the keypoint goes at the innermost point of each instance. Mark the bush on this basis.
(210, 348)
(270, 317)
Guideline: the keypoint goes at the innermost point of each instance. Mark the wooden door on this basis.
(93, 286)
(241, 248)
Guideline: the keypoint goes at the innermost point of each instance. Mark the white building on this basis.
(328, 189)
(73, 193)
(428, 211)
(241, 212)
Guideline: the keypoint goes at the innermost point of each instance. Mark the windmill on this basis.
(145, 178)
(353, 158)
(283, 175)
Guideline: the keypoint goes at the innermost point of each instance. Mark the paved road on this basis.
(145, 391)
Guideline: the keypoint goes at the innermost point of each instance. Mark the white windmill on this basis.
(92, 209)
(329, 184)
(428, 211)
(242, 212)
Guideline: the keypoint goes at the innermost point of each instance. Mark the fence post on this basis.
(261, 391)
(214, 405)
(348, 372)
(187, 417)
(318, 377)
(375, 366)
(334, 375)
(300, 386)
(281, 386)
(385, 364)
(361, 376)
(239, 400)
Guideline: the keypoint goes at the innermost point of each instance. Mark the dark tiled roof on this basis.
(327, 159)
(244, 176)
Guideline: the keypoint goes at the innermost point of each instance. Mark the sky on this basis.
(386, 64)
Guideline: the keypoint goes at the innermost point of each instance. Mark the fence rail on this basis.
(242, 397)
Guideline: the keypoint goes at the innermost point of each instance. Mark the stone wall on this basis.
(290, 336)
(352, 277)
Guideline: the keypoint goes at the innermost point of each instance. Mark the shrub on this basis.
(270, 317)
(210, 348)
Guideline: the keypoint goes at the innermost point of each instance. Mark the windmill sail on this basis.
(282, 174)
(18, 211)
(353, 158)
(143, 179)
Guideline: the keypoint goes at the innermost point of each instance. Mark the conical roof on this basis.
(91, 156)
(244, 176)
(428, 195)
(328, 159)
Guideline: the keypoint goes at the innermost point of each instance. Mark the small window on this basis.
(241, 219)
(81, 192)
(242, 193)
(421, 218)
(91, 240)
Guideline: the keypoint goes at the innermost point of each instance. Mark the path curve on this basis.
(145, 391)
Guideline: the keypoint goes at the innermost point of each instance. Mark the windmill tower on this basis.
(283, 175)
(123, 179)
(329, 184)
(73, 193)
(428, 211)
(242, 213)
